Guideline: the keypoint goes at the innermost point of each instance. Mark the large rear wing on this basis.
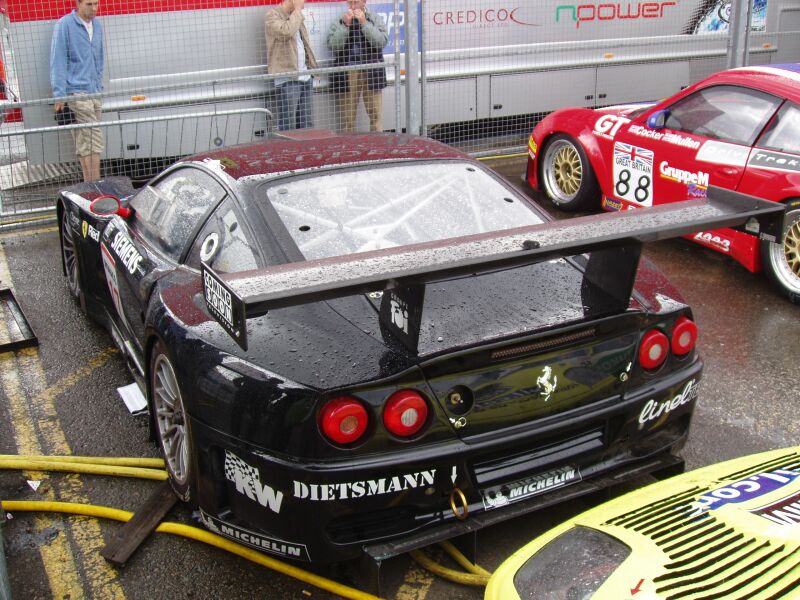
(613, 241)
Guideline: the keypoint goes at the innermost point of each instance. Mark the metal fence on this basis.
(189, 76)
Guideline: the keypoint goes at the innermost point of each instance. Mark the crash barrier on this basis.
(472, 74)
(153, 468)
(28, 190)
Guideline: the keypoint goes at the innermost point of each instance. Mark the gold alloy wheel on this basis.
(563, 171)
(568, 171)
(791, 247)
(784, 258)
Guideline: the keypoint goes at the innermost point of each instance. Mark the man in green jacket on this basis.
(357, 38)
(289, 51)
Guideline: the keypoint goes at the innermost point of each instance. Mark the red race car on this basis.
(737, 129)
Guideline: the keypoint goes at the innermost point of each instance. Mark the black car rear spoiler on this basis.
(613, 239)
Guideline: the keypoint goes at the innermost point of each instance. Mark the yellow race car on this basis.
(729, 530)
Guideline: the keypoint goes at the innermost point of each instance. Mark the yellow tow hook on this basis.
(464, 513)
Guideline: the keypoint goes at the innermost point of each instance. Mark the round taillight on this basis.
(405, 412)
(684, 336)
(344, 420)
(653, 349)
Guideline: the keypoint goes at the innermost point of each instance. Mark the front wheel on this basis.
(69, 255)
(782, 260)
(171, 423)
(567, 176)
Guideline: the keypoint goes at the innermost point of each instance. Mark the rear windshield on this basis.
(381, 207)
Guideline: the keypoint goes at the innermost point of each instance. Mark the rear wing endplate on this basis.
(614, 239)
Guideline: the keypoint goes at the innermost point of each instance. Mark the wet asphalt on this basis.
(62, 397)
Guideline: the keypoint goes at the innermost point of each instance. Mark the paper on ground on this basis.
(133, 398)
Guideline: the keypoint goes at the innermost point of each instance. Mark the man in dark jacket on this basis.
(358, 38)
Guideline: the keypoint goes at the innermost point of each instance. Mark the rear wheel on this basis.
(70, 257)
(171, 423)
(567, 176)
(782, 260)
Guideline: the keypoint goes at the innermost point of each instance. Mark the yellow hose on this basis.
(446, 573)
(193, 533)
(140, 467)
(457, 556)
(156, 463)
(91, 469)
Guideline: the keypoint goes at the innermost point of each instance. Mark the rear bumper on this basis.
(386, 504)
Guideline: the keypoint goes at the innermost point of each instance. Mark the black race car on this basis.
(371, 342)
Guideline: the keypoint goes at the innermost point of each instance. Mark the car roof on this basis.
(318, 148)
(783, 80)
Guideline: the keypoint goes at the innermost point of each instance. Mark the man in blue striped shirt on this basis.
(76, 70)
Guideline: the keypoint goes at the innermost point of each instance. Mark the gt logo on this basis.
(608, 125)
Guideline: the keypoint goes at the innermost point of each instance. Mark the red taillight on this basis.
(684, 336)
(344, 420)
(405, 413)
(653, 349)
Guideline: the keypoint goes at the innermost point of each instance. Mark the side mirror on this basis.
(105, 206)
(658, 119)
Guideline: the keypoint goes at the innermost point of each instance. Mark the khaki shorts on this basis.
(89, 140)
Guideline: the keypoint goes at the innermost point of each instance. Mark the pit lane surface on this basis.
(61, 399)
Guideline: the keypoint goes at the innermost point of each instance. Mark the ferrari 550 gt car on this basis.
(730, 530)
(737, 129)
(354, 340)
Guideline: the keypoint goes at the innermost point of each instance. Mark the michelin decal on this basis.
(497, 496)
(255, 540)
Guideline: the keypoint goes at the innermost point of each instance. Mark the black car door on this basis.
(152, 241)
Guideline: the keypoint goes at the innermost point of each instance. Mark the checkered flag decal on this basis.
(238, 470)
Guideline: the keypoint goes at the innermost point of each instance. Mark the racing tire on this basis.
(69, 256)
(567, 177)
(782, 260)
(172, 424)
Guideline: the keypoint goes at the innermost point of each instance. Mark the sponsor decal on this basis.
(653, 409)
(785, 511)
(500, 495)
(126, 252)
(248, 483)
(546, 383)
(607, 126)
(532, 148)
(110, 269)
(87, 229)
(693, 191)
(713, 240)
(743, 490)
(610, 11)
(722, 153)
(322, 492)
(668, 137)
(697, 178)
(398, 311)
(255, 540)
(611, 203)
(487, 17)
(224, 305)
(774, 161)
(633, 173)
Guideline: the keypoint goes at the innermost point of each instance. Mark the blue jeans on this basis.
(294, 105)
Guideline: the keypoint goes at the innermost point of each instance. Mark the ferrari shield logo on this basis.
(84, 229)
(547, 383)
